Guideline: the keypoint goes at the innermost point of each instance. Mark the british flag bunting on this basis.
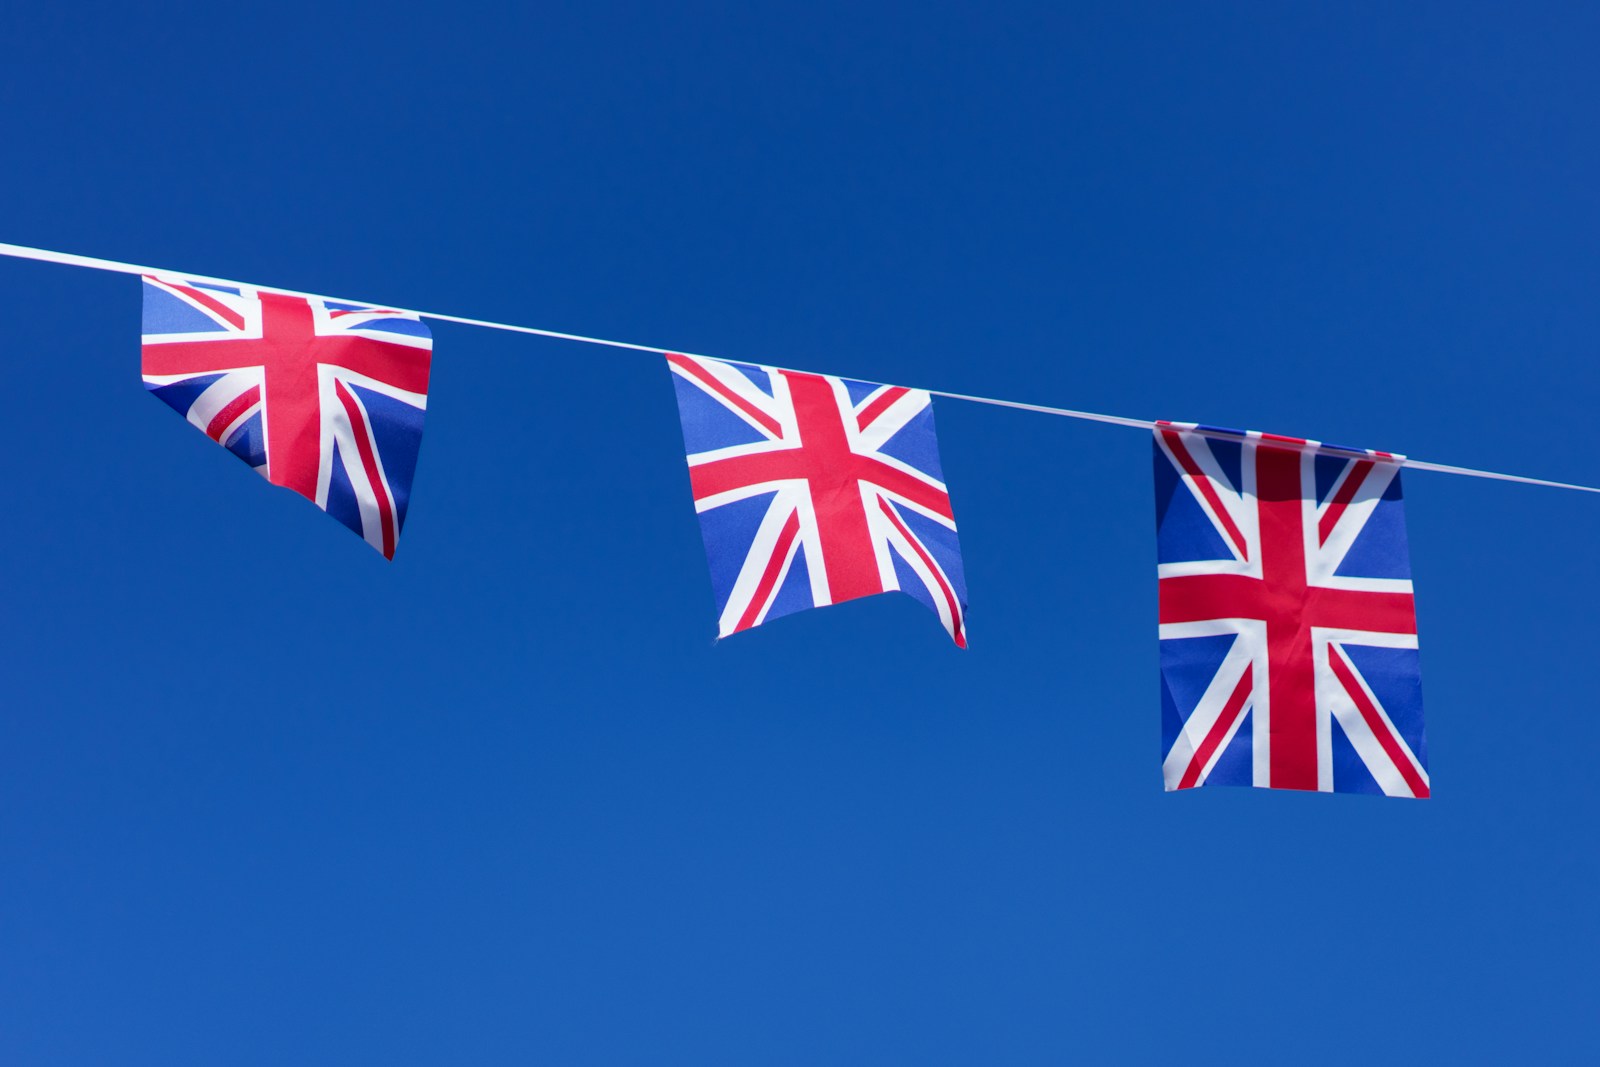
(1288, 626)
(321, 397)
(813, 490)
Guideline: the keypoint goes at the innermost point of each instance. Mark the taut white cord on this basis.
(67, 258)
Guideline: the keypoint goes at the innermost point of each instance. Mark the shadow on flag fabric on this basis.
(1288, 629)
(814, 490)
(321, 397)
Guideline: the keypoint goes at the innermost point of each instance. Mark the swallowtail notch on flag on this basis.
(1288, 629)
(813, 490)
(322, 397)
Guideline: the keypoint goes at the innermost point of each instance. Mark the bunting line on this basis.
(94, 263)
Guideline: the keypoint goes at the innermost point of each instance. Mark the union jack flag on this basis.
(321, 397)
(1288, 628)
(814, 490)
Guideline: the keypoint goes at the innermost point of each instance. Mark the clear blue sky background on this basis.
(265, 798)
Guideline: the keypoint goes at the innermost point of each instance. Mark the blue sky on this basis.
(266, 798)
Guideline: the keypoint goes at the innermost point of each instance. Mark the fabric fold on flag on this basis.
(1287, 619)
(322, 397)
(813, 490)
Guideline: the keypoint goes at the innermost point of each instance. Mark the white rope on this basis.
(68, 259)
(1471, 472)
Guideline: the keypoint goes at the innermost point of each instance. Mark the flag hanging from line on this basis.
(813, 490)
(323, 397)
(1288, 628)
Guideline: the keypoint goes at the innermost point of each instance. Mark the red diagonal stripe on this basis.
(369, 464)
(232, 410)
(770, 575)
(879, 405)
(708, 382)
(1380, 729)
(206, 300)
(1192, 468)
(1341, 499)
(1219, 729)
(960, 634)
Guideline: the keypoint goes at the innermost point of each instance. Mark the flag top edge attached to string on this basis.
(95, 263)
(1269, 439)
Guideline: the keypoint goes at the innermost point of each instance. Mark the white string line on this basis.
(93, 263)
